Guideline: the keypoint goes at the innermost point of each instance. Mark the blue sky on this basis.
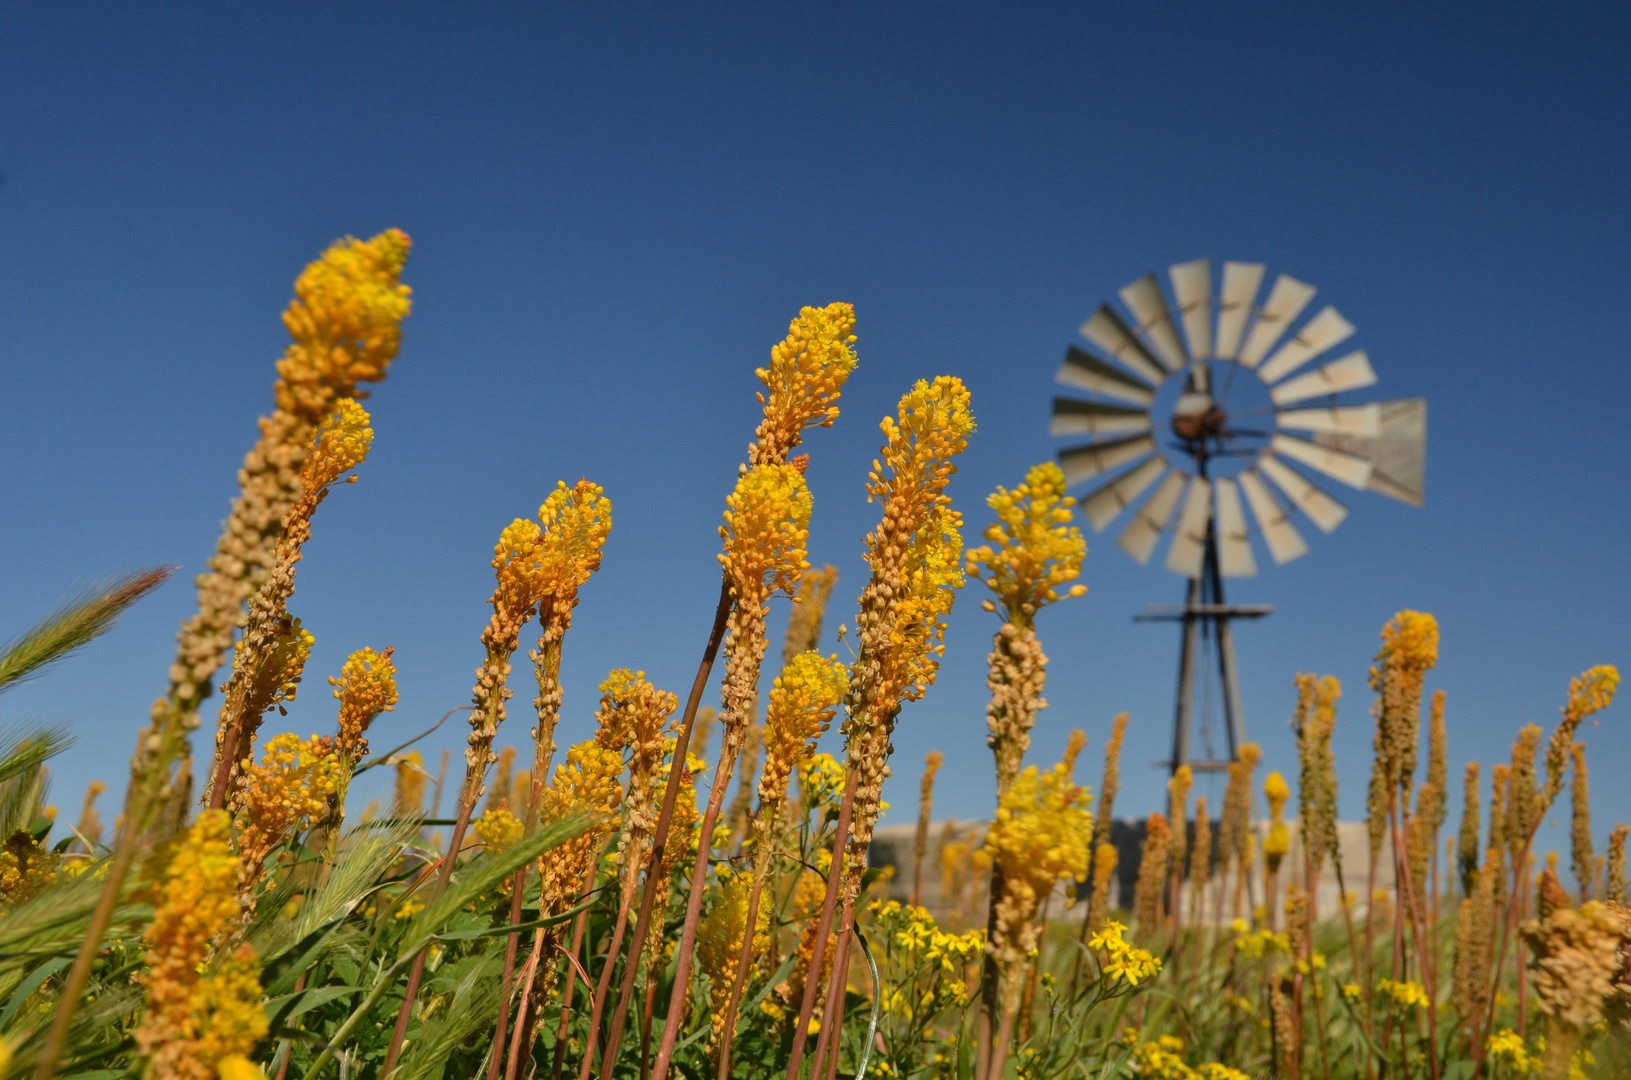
(616, 210)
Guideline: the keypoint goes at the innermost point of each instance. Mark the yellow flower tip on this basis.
(518, 564)
(498, 829)
(1592, 691)
(238, 1067)
(576, 521)
(340, 445)
(1275, 789)
(767, 522)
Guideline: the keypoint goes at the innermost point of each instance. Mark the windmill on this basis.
(1177, 439)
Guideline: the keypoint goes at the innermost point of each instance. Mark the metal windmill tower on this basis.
(1219, 445)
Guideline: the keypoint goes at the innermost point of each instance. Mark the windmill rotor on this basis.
(1175, 450)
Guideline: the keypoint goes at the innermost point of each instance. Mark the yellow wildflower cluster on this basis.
(345, 321)
(25, 869)
(1404, 994)
(1278, 841)
(197, 1013)
(365, 687)
(1163, 1059)
(576, 521)
(767, 521)
(586, 783)
(340, 445)
(1042, 834)
(929, 966)
(286, 793)
(1255, 944)
(276, 680)
(803, 699)
(1037, 549)
(720, 937)
(1591, 692)
(821, 782)
(1508, 1046)
(806, 375)
(633, 714)
(1122, 959)
(497, 829)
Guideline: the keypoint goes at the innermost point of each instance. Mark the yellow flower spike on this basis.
(720, 937)
(1037, 550)
(287, 793)
(1042, 834)
(197, 1013)
(634, 714)
(806, 375)
(340, 445)
(276, 679)
(365, 687)
(497, 829)
(767, 522)
(576, 521)
(1591, 692)
(1409, 649)
(345, 321)
(803, 700)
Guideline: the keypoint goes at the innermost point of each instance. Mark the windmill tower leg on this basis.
(1186, 681)
(1234, 716)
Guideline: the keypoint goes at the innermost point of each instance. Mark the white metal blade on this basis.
(1353, 471)
(1104, 505)
(1398, 451)
(1139, 537)
(1240, 284)
(1192, 285)
(1234, 543)
(1286, 301)
(1284, 541)
(1143, 298)
(1364, 421)
(1321, 509)
(1087, 372)
(1085, 462)
(1349, 373)
(1324, 330)
(1188, 548)
(1091, 418)
(1106, 330)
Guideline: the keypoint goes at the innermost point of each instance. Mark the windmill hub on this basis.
(1196, 416)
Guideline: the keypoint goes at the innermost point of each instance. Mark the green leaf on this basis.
(29, 985)
(280, 1010)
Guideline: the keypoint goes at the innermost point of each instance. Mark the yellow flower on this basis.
(576, 521)
(806, 375)
(275, 682)
(1406, 994)
(720, 936)
(803, 699)
(767, 520)
(1036, 547)
(26, 868)
(286, 793)
(197, 1014)
(498, 829)
(340, 445)
(345, 321)
(365, 687)
(238, 1067)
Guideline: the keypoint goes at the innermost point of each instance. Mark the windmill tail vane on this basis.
(1218, 455)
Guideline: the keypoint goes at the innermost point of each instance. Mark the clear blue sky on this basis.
(616, 211)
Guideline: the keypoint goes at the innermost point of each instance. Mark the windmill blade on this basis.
(1087, 372)
(1397, 452)
(1192, 285)
(1139, 537)
(1143, 298)
(1106, 330)
(1321, 509)
(1188, 548)
(1324, 330)
(1364, 421)
(1349, 373)
(1104, 505)
(1240, 284)
(1235, 557)
(1286, 301)
(1085, 462)
(1353, 471)
(1072, 417)
(1284, 541)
